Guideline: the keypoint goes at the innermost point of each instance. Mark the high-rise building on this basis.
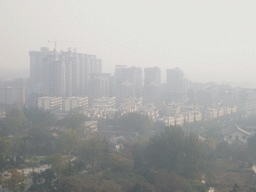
(125, 90)
(54, 83)
(152, 75)
(126, 79)
(176, 85)
(112, 86)
(63, 74)
(36, 65)
(99, 86)
(152, 84)
(120, 74)
(134, 75)
(151, 93)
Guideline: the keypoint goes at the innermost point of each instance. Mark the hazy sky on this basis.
(209, 40)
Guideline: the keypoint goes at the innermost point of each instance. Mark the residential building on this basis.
(235, 133)
(176, 85)
(50, 103)
(99, 86)
(131, 104)
(152, 82)
(54, 82)
(36, 65)
(2, 113)
(70, 103)
(104, 102)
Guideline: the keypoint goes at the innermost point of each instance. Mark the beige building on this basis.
(228, 110)
(2, 113)
(131, 104)
(198, 116)
(104, 102)
(75, 102)
(189, 117)
(234, 109)
(150, 111)
(221, 112)
(172, 110)
(50, 103)
(210, 114)
(236, 133)
(179, 120)
(169, 121)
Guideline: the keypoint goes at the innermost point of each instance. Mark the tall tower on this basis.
(152, 74)
(54, 83)
(99, 86)
(176, 85)
(132, 75)
(152, 84)
(36, 65)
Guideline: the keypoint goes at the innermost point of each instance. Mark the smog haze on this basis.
(209, 40)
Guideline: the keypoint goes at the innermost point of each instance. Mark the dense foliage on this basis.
(173, 159)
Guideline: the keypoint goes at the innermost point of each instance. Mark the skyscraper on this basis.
(152, 82)
(99, 86)
(176, 85)
(132, 75)
(152, 75)
(62, 73)
(54, 81)
(36, 65)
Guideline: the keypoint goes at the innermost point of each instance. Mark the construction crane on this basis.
(55, 43)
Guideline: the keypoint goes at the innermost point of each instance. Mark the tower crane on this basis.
(55, 43)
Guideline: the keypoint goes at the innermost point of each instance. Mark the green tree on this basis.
(40, 118)
(68, 141)
(17, 182)
(74, 120)
(172, 150)
(36, 141)
(16, 121)
(58, 164)
(5, 146)
(251, 148)
(48, 176)
(91, 152)
(135, 122)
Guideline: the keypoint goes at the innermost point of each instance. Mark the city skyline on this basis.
(209, 41)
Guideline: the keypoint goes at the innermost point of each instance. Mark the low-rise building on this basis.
(189, 117)
(221, 112)
(50, 103)
(2, 113)
(235, 133)
(131, 104)
(75, 102)
(150, 111)
(93, 113)
(110, 113)
(228, 110)
(172, 109)
(104, 102)
(179, 120)
(90, 126)
(234, 109)
(210, 114)
(198, 116)
(169, 120)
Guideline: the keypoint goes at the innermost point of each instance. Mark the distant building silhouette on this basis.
(63, 74)
(176, 85)
(152, 82)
